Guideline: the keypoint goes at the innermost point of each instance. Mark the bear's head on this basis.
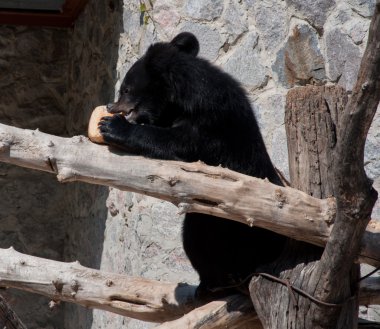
(147, 92)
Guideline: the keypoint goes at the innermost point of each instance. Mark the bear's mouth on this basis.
(128, 114)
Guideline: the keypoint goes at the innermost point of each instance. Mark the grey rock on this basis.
(300, 60)
(314, 11)
(234, 21)
(205, 9)
(167, 16)
(364, 8)
(131, 23)
(357, 30)
(279, 152)
(208, 37)
(271, 23)
(245, 63)
(269, 109)
(372, 147)
(376, 208)
(342, 58)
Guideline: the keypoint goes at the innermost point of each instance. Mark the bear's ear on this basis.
(186, 42)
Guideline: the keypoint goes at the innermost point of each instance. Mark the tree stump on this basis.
(311, 117)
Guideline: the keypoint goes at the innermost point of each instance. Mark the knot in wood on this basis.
(250, 221)
(173, 181)
(74, 285)
(5, 147)
(183, 208)
(58, 285)
(280, 198)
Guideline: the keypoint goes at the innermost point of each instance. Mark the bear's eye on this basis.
(125, 90)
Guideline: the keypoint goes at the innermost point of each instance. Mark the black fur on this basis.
(180, 107)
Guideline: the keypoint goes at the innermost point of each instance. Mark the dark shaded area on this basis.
(51, 80)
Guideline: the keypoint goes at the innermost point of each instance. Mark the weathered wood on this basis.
(318, 116)
(223, 193)
(143, 299)
(353, 190)
(312, 113)
(311, 117)
(219, 315)
(332, 279)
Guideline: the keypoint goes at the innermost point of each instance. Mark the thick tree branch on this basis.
(233, 312)
(352, 189)
(139, 298)
(223, 193)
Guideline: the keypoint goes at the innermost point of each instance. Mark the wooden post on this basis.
(311, 117)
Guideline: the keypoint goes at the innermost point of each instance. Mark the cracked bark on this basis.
(339, 171)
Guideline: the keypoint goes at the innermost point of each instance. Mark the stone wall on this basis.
(270, 46)
(33, 87)
(93, 52)
(54, 78)
(33, 80)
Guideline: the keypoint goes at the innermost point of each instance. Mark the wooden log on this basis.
(138, 298)
(335, 276)
(147, 300)
(233, 312)
(311, 116)
(223, 193)
(332, 280)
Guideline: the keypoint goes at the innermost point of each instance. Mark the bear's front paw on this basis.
(114, 129)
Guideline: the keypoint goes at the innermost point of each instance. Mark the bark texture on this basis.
(311, 117)
(337, 143)
(223, 193)
(138, 298)
(352, 189)
(143, 299)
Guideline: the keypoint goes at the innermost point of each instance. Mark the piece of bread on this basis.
(93, 131)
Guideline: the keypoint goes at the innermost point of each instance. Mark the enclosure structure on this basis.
(53, 78)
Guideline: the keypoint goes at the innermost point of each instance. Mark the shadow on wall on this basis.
(52, 79)
(93, 54)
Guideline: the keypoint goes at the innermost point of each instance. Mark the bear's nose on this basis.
(109, 107)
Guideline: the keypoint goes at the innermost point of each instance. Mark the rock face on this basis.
(33, 80)
(245, 64)
(52, 79)
(300, 61)
(314, 12)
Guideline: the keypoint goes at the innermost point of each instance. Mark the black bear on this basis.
(178, 106)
